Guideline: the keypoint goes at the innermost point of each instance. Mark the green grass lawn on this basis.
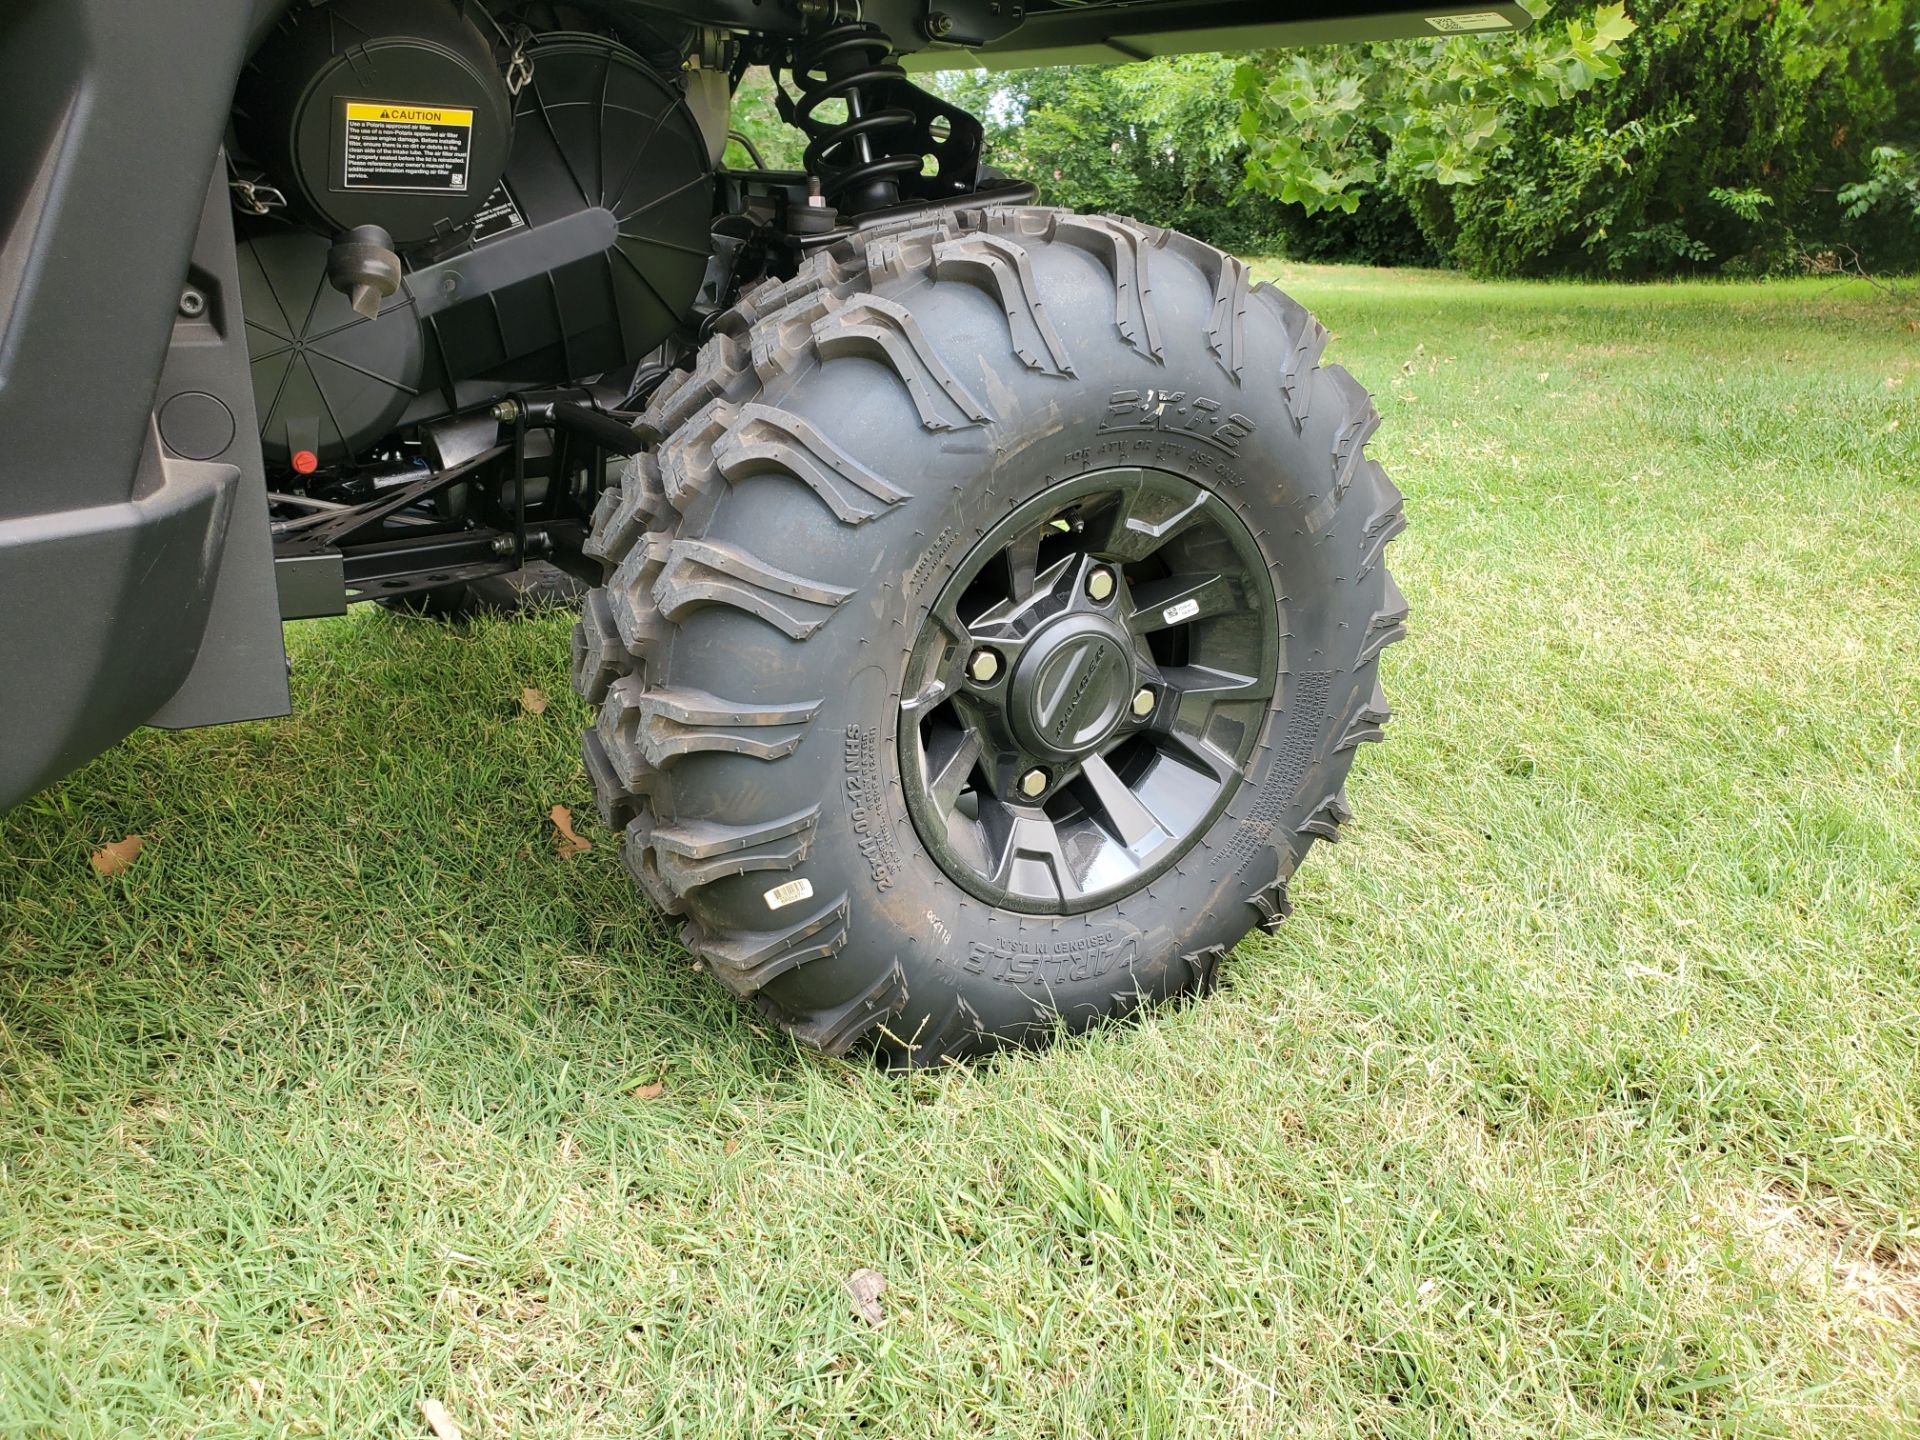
(1581, 1095)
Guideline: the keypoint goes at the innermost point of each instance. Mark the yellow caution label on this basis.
(419, 148)
(409, 114)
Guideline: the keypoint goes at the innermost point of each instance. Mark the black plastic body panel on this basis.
(240, 670)
(110, 121)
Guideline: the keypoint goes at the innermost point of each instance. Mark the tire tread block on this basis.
(1307, 342)
(717, 369)
(1366, 725)
(764, 440)
(712, 572)
(1003, 270)
(745, 961)
(599, 655)
(1122, 246)
(613, 797)
(667, 725)
(884, 330)
(688, 855)
(1387, 521)
(630, 600)
(1388, 625)
(836, 1029)
(1327, 817)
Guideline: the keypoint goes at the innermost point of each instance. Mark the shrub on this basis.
(1723, 144)
(1159, 140)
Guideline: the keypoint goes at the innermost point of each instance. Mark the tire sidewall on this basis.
(1183, 413)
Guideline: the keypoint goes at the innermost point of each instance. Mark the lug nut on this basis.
(983, 666)
(1100, 583)
(1033, 783)
(1143, 702)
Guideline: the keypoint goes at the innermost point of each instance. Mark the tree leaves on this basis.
(1157, 138)
(1324, 127)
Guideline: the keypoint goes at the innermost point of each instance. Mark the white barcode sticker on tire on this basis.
(786, 894)
(1185, 610)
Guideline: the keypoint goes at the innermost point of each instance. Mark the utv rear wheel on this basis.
(989, 633)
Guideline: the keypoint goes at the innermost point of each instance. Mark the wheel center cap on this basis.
(1072, 686)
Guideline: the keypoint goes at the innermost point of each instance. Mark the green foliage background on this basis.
(1739, 136)
(1723, 144)
(1159, 140)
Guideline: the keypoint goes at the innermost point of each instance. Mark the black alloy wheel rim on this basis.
(1082, 698)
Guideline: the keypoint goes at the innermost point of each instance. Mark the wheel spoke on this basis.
(938, 667)
(1001, 623)
(1130, 822)
(1023, 564)
(1143, 521)
(1214, 686)
(1179, 599)
(1194, 746)
(1031, 861)
(1199, 691)
(951, 757)
(933, 678)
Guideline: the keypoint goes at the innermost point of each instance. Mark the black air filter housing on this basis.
(378, 112)
(596, 128)
(325, 379)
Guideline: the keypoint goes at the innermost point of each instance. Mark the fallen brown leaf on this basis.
(533, 701)
(567, 843)
(866, 1287)
(110, 860)
(649, 1092)
(438, 1420)
(733, 1144)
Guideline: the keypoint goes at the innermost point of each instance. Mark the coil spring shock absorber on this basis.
(862, 160)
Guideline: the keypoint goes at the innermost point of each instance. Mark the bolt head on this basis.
(1143, 702)
(1033, 783)
(983, 666)
(1100, 584)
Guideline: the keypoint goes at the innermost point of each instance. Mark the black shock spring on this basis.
(862, 158)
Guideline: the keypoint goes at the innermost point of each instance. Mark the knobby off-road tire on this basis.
(848, 443)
